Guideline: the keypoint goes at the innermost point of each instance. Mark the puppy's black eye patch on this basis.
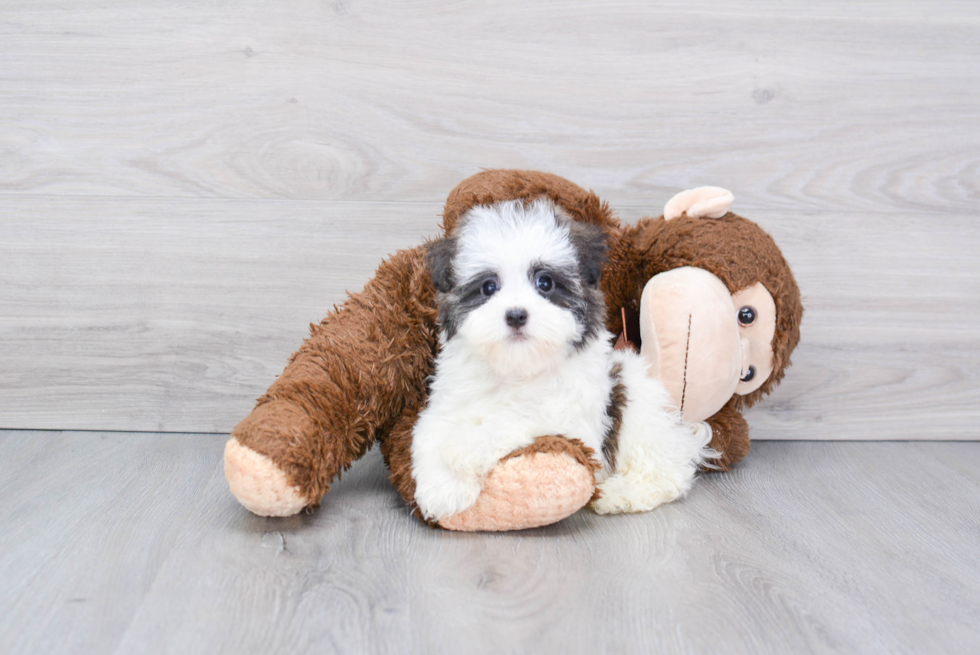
(464, 298)
(566, 287)
(478, 289)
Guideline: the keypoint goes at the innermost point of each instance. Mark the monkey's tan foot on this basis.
(538, 485)
(258, 483)
(277, 461)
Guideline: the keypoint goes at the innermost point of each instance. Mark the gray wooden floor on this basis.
(131, 543)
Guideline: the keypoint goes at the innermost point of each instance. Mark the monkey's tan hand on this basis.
(534, 486)
(259, 484)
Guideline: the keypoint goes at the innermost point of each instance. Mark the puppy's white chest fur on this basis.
(569, 399)
(476, 417)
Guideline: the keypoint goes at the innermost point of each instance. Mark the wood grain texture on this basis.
(172, 315)
(88, 520)
(185, 186)
(162, 314)
(794, 106)
(132, 543)
(890, 347)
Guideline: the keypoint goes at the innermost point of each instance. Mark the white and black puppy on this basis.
(524, 353)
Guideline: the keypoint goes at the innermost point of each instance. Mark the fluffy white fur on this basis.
(658, 453)
(496, 388)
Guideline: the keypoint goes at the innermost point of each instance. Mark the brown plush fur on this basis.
(396, 447)
(553, 444)
(729, 435)
(360, 376)
(494, 186)
(349, 383)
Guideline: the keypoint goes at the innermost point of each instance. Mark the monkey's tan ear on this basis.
(704, 201)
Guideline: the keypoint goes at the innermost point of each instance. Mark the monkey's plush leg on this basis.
(533, 486)
(349, 382)
(729, 436)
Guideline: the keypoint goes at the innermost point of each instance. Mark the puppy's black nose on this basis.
(516, 317)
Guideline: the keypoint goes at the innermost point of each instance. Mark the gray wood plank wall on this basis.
(185, 186)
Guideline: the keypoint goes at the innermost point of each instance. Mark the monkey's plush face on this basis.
(710, 323)
(746, 260)
(755, 312)
(703, 342)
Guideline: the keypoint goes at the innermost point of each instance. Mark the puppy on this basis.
(524, 353)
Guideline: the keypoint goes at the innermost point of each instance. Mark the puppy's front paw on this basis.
(622, 493)
(444, 493)
(469, 457)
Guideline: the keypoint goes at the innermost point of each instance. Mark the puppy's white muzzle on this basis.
(519, 333)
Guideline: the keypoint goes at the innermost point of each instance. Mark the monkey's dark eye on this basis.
(749, 374)
(746, 315)
(544, 283)
(489, 287)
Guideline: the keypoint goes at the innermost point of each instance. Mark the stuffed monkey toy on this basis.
(360, 376)
(711, 303)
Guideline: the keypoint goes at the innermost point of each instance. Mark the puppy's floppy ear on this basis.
(440, 258)
(590, 244)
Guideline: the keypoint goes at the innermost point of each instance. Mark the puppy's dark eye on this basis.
(489, 287)
(746, 315)
(544, 282)
(749, 374)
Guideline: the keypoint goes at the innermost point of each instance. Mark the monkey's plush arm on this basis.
(352, 379)
(360, 377)
(729, 435)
